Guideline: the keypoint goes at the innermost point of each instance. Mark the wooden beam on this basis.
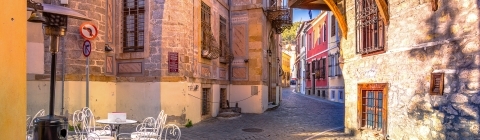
(383, 8)
(341, 19)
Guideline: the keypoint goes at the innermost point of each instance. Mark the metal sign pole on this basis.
(87, 69)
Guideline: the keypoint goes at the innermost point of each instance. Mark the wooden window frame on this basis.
(436, 85)
(137, 27)
(370, 28)
(361, 107)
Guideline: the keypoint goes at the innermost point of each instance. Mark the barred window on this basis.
(372, 106)
(330, 67)
(206, 28)
(205, 101)
(133, 25)
(223, 36)
(370, 28)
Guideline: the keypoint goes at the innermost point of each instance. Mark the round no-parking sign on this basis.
(87, 48)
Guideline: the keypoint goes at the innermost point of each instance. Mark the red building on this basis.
(317, 55)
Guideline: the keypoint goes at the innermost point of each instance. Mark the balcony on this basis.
(280, 15)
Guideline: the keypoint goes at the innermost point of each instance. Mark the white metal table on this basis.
(115, 125)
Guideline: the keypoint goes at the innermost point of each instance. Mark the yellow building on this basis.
(287, 74)
(13, 95)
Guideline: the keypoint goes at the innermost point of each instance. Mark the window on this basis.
(210, 48)
(333, 94)
(307, 72)
(322, 67)
(331, 66)
(310, 41)
(370, 28)
(133, 25)
(340, 94)
(338, 71)
(372, 105)
(323, 93)
(325, 32)
(333, 26)
(205, 101)
(223, 38)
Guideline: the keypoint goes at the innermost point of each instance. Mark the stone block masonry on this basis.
(420, 41)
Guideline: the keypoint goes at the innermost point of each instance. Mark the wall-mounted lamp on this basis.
(108, 48)
(36, 15)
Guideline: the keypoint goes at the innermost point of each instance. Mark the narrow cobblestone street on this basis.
(298, 117)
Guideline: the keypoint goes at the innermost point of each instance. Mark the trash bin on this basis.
(50, 128)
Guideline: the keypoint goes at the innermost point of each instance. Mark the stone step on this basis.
(228, 114)
(232, 109)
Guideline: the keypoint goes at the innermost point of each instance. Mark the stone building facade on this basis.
(394, 90)
(186, 57)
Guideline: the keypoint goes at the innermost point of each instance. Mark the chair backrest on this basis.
(83, 121)
(30, 120)
(172, 131)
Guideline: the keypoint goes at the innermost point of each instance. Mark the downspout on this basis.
(230, 48)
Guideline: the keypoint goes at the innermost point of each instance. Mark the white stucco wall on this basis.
(138, 100)
(102, 97)
(254, 104)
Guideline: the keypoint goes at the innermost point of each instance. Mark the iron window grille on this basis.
(370, 34)
(210, 49)
(205, 101)
(372, 106)
(223, 39)
(133, 25)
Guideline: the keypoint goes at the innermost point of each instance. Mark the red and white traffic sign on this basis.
(87, 48)
(88, 31)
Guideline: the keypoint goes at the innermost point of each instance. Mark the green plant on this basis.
(71, 128)
(189, 123)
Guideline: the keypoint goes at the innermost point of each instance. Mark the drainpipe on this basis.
(230, 48)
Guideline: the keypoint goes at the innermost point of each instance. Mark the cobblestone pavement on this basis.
(298, 117)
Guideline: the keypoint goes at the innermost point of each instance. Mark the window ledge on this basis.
(373, 53)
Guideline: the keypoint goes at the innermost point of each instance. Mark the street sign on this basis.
(87, 48)
(88, 31)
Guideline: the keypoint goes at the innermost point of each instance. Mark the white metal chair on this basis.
(30, 120)
(85, 128)
(153, 129)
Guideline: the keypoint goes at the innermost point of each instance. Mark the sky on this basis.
(302, 14)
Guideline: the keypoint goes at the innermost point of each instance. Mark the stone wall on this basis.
(420, 41)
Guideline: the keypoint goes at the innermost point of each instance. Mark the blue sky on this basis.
(302, 14)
